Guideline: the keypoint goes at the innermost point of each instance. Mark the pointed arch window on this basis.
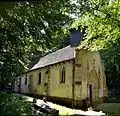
(62, 75)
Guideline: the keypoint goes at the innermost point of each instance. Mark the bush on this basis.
(12, 105)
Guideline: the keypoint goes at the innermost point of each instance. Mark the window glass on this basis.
(62, 75)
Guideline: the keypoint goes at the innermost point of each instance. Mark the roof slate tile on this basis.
(60, 55)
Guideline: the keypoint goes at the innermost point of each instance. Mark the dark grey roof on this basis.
(60, 55)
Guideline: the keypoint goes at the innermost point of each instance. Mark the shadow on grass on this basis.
(111, 109)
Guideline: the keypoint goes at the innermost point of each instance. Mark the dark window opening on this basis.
(19, 82)
(25, 81)
(78, 83)
(39, 81)
(62, 76)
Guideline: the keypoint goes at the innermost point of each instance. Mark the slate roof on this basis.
(60, 55)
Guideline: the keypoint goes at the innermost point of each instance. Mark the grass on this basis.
(111, 109)
(13, 105)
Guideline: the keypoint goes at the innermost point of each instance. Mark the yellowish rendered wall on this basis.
(80, 76)
(88, 65)
(55, 88)
(62, 90)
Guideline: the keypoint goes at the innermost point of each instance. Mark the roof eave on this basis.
(49, 65)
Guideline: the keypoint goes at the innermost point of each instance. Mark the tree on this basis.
(13, 105)
(102, 18)
(28, 30)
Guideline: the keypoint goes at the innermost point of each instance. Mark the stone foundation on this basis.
(78, 104)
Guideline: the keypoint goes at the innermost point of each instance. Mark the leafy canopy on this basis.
(102, 18)
(28, 30)
(12, 105)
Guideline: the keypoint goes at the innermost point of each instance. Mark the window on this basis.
(25, 81)
(19, 82)
(39, 80)
(62, 75)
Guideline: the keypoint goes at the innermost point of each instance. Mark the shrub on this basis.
(12, 105)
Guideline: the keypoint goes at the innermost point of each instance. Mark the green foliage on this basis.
(103, 30)
(27, 31)
(11, 105)
(111, 109)
(102, 18)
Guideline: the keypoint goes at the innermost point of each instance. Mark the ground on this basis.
(113, 109)
(64, 110)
